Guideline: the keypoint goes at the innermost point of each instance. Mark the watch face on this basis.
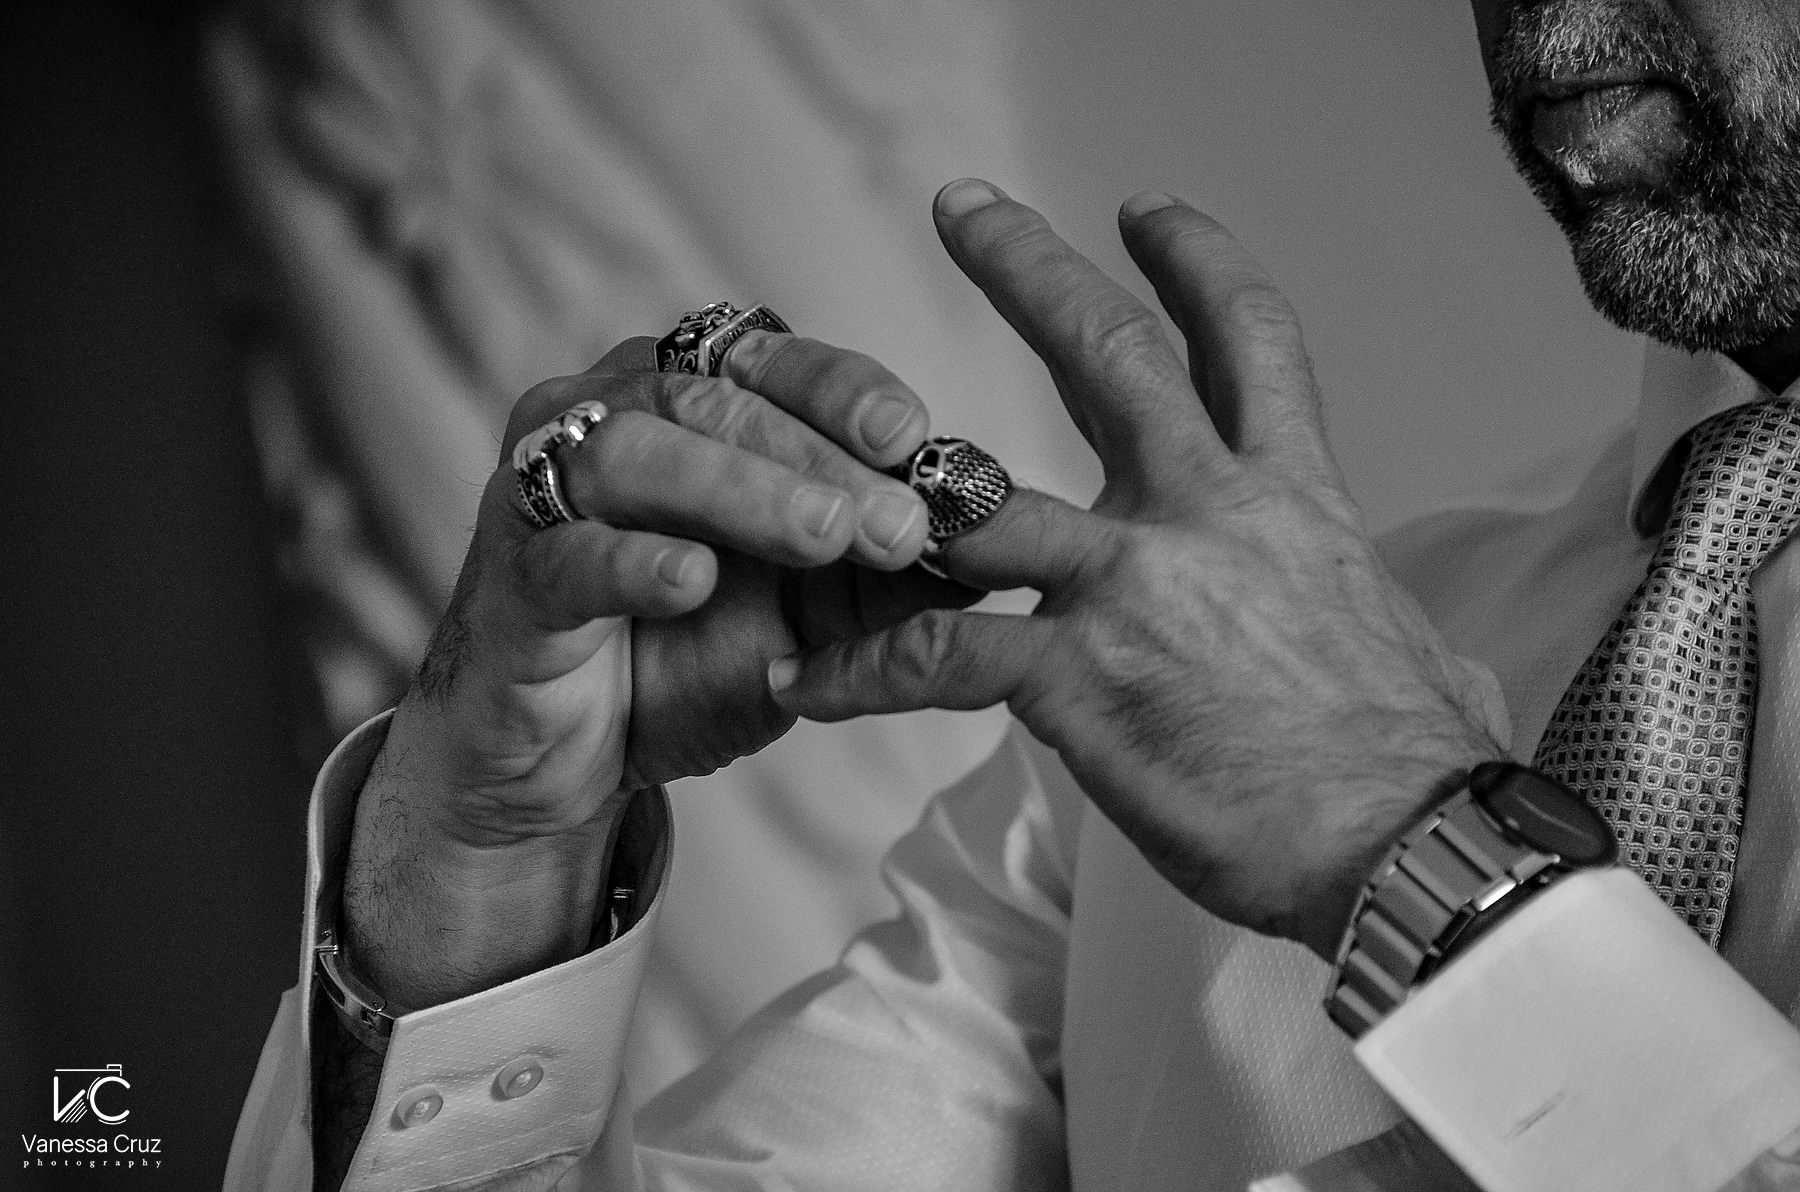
(1543, 814)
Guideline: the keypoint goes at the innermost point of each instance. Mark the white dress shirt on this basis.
(1047, 1012)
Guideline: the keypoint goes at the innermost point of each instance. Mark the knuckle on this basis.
(1243, 496)
(540, 403)
(549, 394)
(824, 374)
(1196, 225)
(636, 354)
(810, 456)
(1256, 305)
(846, 374)
(1202, 243)
(1106, 648)
(1005, 230)
(715, 406)
(774, 354)
(1121, 339)
(929, 650)
(1146, 559)
(1134, 548)
(625, 438)
(1032, 523)
(799, 365)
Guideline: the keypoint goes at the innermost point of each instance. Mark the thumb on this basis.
(938, 659)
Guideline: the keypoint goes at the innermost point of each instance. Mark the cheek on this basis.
(1743, 33)
(1756, 44)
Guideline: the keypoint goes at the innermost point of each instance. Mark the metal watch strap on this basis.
(1429, 888)
(362, 1011)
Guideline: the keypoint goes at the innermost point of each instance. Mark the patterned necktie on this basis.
(1655, 728)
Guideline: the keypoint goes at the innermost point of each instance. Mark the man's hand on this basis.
(724, 522)
(1219, 656)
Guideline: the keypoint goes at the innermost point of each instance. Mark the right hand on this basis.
(725, 521)
(1220, 656)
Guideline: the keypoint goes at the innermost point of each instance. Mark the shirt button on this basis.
(517, 1078)
(417, 1106)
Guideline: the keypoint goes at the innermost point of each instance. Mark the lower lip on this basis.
(1611, 138)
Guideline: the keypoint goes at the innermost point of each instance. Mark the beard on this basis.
(1708, 258)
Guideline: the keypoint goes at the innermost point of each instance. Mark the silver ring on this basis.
(961, 484)
(540, 485)
(702, 337)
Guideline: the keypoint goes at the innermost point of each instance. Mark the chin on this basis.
(1691, 277)
(1703, 250)
(1708, 260)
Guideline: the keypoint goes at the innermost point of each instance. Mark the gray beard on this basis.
(1711, 259)
(1702, 276)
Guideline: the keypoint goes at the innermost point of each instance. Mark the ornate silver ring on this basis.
(540, 485)
(702, 337)
(962, 486)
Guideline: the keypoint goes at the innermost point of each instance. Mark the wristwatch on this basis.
(1509, 833)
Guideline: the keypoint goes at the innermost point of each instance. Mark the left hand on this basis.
(1220, 658)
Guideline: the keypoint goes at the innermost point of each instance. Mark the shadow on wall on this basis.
(150, 845)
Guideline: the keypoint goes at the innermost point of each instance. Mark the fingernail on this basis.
(883, 420)
(965, 195)
(782, 673)
(889, 517)
(816, 509)
(1144, 202)
(674, 565)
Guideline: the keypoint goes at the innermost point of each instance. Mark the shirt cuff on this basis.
(1592, 1041)
(508, 1077)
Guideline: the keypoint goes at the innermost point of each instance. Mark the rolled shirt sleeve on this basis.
(509, 1087)
(928, 1058)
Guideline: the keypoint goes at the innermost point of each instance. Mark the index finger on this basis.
(551, 397)
(1123, 383)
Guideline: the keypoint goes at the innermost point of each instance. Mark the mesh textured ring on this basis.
(962, 486)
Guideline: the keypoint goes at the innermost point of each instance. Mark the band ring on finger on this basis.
(702, 337)
(534, 459)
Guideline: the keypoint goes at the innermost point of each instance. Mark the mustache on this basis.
(1564, 38)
